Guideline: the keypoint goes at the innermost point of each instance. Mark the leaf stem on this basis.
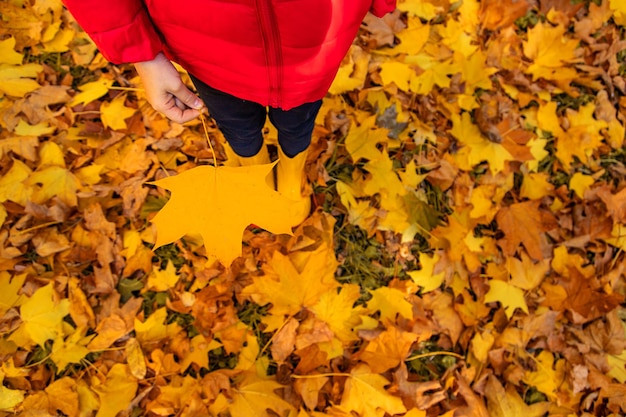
(437, 353)
(206, 133)
(321, 375)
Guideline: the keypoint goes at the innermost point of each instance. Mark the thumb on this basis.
(188, 98)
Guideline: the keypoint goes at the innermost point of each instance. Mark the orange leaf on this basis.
(524, 223)
(219, 203)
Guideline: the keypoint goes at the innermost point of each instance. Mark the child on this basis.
(248, 59)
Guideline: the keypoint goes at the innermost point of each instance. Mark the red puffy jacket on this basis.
(280, 53)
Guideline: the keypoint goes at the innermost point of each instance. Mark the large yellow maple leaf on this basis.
(219, 203)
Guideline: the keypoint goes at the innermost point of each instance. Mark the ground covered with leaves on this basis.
(465, 256)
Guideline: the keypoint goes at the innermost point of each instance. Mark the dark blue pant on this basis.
(242, 121)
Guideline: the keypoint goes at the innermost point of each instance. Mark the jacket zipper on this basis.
(271, 45)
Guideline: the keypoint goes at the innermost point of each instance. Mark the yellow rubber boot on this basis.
(232, 159)
(261, 158)
(289, 182)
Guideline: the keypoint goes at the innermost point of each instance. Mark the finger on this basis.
(188, 98)
(179, 115)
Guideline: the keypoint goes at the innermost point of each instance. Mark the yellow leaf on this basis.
(362, 140)
(10, 398)
(15, 80)
(338, 311)
(219, 203)
(87, 399)
(424, 9)
(115, 113)
(71, 350)
(43, 316)
(60, 42)
(391, 303)
(383, 179)
(54, 181)
(535, 186)
(397, 73)
(475, 72)
(91, 91)
(619, 11)
(62, 395)
(550, 50)
(580, 183)
(135, 358)
(435, 74)
(154, 327)
(199, 348)
(40, 129)
(507, 403)
(51, 154)
(288, 289)
(365, 394)
(162, 279)
(412, 39)
(477, 148)
(481, 345)
(90, 174)
(509, 296)
(388, 349)
(582, 138)
(351, 75)
(8, 54)
(9, 289)
(426, 276)
(548, 376)
(254, 395)
(454, 36)
(117, 391)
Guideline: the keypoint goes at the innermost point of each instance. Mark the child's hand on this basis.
(166, 91)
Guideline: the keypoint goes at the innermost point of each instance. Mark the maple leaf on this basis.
(549, 376)
(388, 349)
(525, 223)
(477, 148)
(62, 396)
(116, 392)
(54, 181)
(362, 140)
(426, 277)
(8, 54)
(70, 350)
(92, 91)
(219, 203)
(12, 184)
(338, 311)
(391, 303)
(43, 315)
(549, 49)
(365, 394)
(288, 289)
(507, 402)
(509, 296)
(253, 395)
(352, 72)
(114, 113)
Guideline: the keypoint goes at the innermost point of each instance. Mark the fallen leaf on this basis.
(365, 394)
